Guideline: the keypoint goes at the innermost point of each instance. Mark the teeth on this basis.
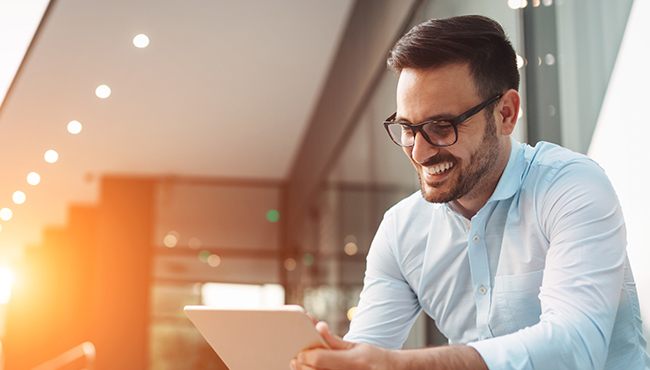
(439, 168)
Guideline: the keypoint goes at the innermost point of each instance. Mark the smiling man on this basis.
(517, 252)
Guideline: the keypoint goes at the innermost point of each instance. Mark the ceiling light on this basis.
(19, 197)
(74, 127)
(33, 178)
(141, 41)
(103, 91)
(6, 214)
(51, 156)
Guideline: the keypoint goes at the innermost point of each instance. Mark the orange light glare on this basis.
(6, 283)
(33, 178)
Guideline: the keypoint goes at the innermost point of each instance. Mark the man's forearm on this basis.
(456, 357)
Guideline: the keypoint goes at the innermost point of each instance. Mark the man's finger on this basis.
(333, 341)
(323, 359)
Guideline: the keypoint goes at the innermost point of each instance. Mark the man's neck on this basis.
(469, 204)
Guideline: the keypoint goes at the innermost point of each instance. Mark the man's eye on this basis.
(406, 131)
(439, 129)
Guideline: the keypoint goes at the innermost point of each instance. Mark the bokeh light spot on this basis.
(204, 255)
(351, 312)
(273, 215)
(290, 264)
(351, 248)
(170, 240)
(214, 260)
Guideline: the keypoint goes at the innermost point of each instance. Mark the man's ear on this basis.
(508, 111)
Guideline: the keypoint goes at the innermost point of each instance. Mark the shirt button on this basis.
(482, 289)
(476, 238)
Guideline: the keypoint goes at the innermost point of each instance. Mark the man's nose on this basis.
(422, 150)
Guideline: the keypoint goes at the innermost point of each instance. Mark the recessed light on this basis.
(141, 41)
(103, 91)
(74, 127)
(51, 156)
(6, 214)
(33, 178)
(19, 197)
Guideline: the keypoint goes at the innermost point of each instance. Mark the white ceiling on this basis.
(225, 89)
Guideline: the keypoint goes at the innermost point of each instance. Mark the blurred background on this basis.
(161, 153)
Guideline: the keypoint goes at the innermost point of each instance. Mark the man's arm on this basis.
(387, 306)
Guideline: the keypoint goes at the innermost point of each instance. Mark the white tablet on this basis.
(262, 339)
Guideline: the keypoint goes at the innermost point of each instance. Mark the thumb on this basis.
(332, 340)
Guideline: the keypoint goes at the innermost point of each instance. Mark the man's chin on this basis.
(434, 195)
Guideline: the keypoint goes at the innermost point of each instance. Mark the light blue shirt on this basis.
(537, 279)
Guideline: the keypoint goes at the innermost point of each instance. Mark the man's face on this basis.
(460, 170)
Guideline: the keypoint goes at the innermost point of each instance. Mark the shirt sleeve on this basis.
(583, 275)
(387, 305)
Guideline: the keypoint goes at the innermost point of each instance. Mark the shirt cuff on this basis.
(504, 353)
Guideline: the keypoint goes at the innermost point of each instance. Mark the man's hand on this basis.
(342, 355)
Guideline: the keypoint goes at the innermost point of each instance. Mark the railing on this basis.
(82, 355)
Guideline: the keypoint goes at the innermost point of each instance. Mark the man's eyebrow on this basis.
(437, 117)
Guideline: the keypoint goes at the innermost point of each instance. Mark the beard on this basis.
(468, 178)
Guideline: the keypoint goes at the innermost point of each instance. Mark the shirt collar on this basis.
(510, 180)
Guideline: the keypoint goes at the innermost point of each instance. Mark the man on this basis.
(517, 252)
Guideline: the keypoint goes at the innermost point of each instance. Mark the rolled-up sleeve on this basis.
(581, 217)
(387, 305)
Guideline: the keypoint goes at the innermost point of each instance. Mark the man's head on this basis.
(472, 39)
(446, 68)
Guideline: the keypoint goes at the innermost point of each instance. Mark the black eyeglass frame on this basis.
(454, 122)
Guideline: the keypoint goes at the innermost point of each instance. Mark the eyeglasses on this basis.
(438, 133)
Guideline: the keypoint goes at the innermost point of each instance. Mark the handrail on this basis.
(85, 350)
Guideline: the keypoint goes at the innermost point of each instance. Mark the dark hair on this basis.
(473, 39)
